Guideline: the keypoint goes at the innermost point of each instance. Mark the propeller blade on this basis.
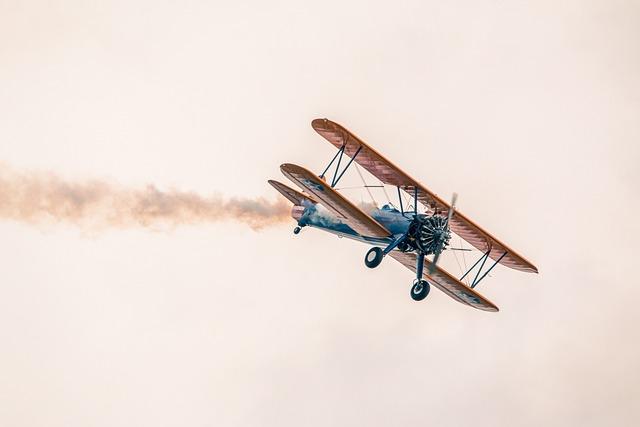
(432, 266)
(454, 198)
(438, 251)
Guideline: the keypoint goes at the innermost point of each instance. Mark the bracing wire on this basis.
(365, 184)
(358, 187)
(385, 192)
(408, 202)
(464, 259)
(457, 261)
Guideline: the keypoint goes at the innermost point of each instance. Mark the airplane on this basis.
(408, 236)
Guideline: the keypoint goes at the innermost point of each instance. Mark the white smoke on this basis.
(45, 198)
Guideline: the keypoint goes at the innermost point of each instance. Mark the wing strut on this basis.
(336, 177)
(400, 200)
(340, 151)
(335, 181)
(482, 259)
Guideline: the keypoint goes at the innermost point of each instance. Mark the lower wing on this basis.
(446, 282)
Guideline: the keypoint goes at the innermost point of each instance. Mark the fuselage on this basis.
(316, 216)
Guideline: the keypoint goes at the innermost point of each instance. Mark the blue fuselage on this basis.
(391, 218)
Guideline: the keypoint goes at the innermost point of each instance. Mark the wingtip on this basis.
(320, 124)
(290, 167)
(489, 308)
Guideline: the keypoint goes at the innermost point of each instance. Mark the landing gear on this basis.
(373, 258)
(296, 230)
(420, 290)
(421, 287)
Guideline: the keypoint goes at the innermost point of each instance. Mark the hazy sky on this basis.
(529, 110)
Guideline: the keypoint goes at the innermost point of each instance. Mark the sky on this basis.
(528, 110)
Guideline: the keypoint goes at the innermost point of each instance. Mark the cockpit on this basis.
(389, 208)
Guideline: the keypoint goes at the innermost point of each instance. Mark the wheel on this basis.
(373, 258)
(296, 230)
(420, 290)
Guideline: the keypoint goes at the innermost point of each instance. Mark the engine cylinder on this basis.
(429, 234)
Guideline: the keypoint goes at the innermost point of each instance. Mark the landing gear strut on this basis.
(421, 287)
(374, 256)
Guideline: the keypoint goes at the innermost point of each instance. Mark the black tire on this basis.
(373, 258)
(420, 290)
(296, 230)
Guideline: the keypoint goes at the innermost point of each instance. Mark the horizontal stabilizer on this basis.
(294, 196)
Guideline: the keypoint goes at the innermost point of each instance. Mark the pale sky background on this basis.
(529, 110)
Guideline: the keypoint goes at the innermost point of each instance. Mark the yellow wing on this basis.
(390, 174)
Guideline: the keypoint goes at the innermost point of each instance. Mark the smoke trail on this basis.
(44, 198)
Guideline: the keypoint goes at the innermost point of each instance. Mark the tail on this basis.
(295, 197)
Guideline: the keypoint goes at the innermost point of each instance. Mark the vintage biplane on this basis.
(408, 236)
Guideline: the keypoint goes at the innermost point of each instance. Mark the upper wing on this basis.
(390, 174)
(446, 282)
(295, 197)
(346, 211)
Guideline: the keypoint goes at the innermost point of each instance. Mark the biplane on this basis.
(408, 236)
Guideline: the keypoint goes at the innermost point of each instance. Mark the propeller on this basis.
(440, 248)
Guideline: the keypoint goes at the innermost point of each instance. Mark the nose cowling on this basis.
(430, 233)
